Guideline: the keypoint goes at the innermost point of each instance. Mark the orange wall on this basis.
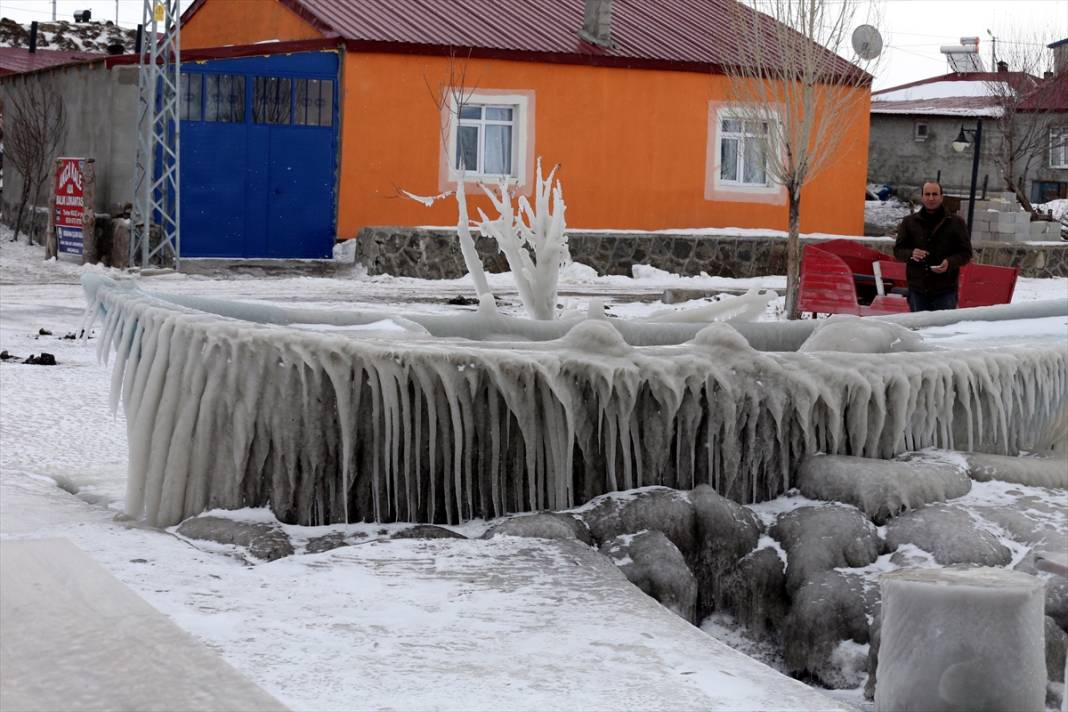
(632, 144)
(234, 22)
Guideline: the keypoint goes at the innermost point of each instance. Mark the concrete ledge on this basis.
(435, 253)
(75, 638)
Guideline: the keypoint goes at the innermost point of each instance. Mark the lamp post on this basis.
(959, 145)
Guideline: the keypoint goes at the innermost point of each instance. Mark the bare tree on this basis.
(792, 94)
(1023, 123)
(38, 123)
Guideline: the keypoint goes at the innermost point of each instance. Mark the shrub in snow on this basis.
(950, 534)
(961, 638)
(652, 563)
(821, 538)
(881, 488)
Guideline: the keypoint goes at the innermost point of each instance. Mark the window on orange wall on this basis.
(743, 152)
(488, 136)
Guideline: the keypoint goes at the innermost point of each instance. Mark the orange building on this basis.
(631, 102)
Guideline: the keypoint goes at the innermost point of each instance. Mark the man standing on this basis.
(934, 245)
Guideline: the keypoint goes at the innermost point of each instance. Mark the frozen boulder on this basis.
(830, 609)
(1056, 589)
(1056, 649)
(725, 531)
(652, 563)
(822, 538)
(655, 508)
(950, 534)
(263, 540)
(427, 531)
(862, 336)
(934, 656)
(543, 525)
(755, 591)
(881, 488)
(333, 540)
(1034, 471)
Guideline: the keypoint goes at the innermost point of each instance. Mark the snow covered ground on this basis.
(502, 623)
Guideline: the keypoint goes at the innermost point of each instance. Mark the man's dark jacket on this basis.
(945, 237)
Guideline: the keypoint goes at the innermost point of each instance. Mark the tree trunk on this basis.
(33, 215)
(22, 208)
(793, 256)
(1017, 190)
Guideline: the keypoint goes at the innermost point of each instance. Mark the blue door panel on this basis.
(260, 190)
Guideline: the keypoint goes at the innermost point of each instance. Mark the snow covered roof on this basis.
(957, 94)
(16, 60)
(677, 34)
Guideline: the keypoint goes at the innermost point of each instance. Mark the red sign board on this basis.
(70, 205)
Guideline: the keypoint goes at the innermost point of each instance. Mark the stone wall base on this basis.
(435, 253)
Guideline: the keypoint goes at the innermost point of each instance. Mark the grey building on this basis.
(914, 127)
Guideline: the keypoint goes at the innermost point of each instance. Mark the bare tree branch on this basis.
(790, 83)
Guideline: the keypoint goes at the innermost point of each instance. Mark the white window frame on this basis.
(520, 105)
(1058, 147)
(769, 186)
(916, 135)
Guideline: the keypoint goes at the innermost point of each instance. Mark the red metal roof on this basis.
(15, 60)
(968, 102)
(1051, 95)
(685, 34)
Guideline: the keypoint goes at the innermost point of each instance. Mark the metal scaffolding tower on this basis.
(155, 220)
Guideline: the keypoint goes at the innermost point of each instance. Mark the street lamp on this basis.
(959, 145)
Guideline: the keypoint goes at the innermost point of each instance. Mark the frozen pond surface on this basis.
(470, 625)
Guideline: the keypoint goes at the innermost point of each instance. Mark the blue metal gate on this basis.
(259, 156)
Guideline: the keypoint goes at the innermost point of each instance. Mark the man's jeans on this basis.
(932, 302)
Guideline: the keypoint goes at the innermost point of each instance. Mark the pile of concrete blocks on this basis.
(999, 218)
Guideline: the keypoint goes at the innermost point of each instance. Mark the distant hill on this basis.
(69, 36)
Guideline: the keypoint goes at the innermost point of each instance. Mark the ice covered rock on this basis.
(1034, 471)
(427, 531)
(755, 591)
(864, 336)
(821, 538)
(1056, 595)
(831, 607)
(654, 508)
(950, 534)
(263, 540)
(333, 540)
(933, 654)
(880, 488)
(1056, 650)
(725, 532)
(652, 563)
(542, 525)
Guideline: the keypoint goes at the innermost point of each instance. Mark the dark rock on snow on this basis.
(45, 359)
(543, 525)
(660, 509)
(427, 531)
(725, 532)
(262, 539)
(950, 534)
(755, 590)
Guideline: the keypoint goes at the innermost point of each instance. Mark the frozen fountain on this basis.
(437, 418)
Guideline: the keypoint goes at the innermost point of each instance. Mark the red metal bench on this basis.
(828, 287)
(985, 285)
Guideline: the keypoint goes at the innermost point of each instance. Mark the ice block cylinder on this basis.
(961, 638)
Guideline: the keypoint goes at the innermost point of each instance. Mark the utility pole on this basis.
(116, 13)
(53, 10)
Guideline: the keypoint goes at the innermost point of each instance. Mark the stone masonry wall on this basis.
(435, 254)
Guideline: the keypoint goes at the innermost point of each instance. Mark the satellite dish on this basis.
(867, 42)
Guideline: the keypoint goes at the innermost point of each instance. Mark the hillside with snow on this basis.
(69, 36)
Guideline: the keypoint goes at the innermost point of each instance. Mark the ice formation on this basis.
(480, 415)
(961, 639)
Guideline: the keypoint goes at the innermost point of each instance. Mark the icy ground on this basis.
(404, 624)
